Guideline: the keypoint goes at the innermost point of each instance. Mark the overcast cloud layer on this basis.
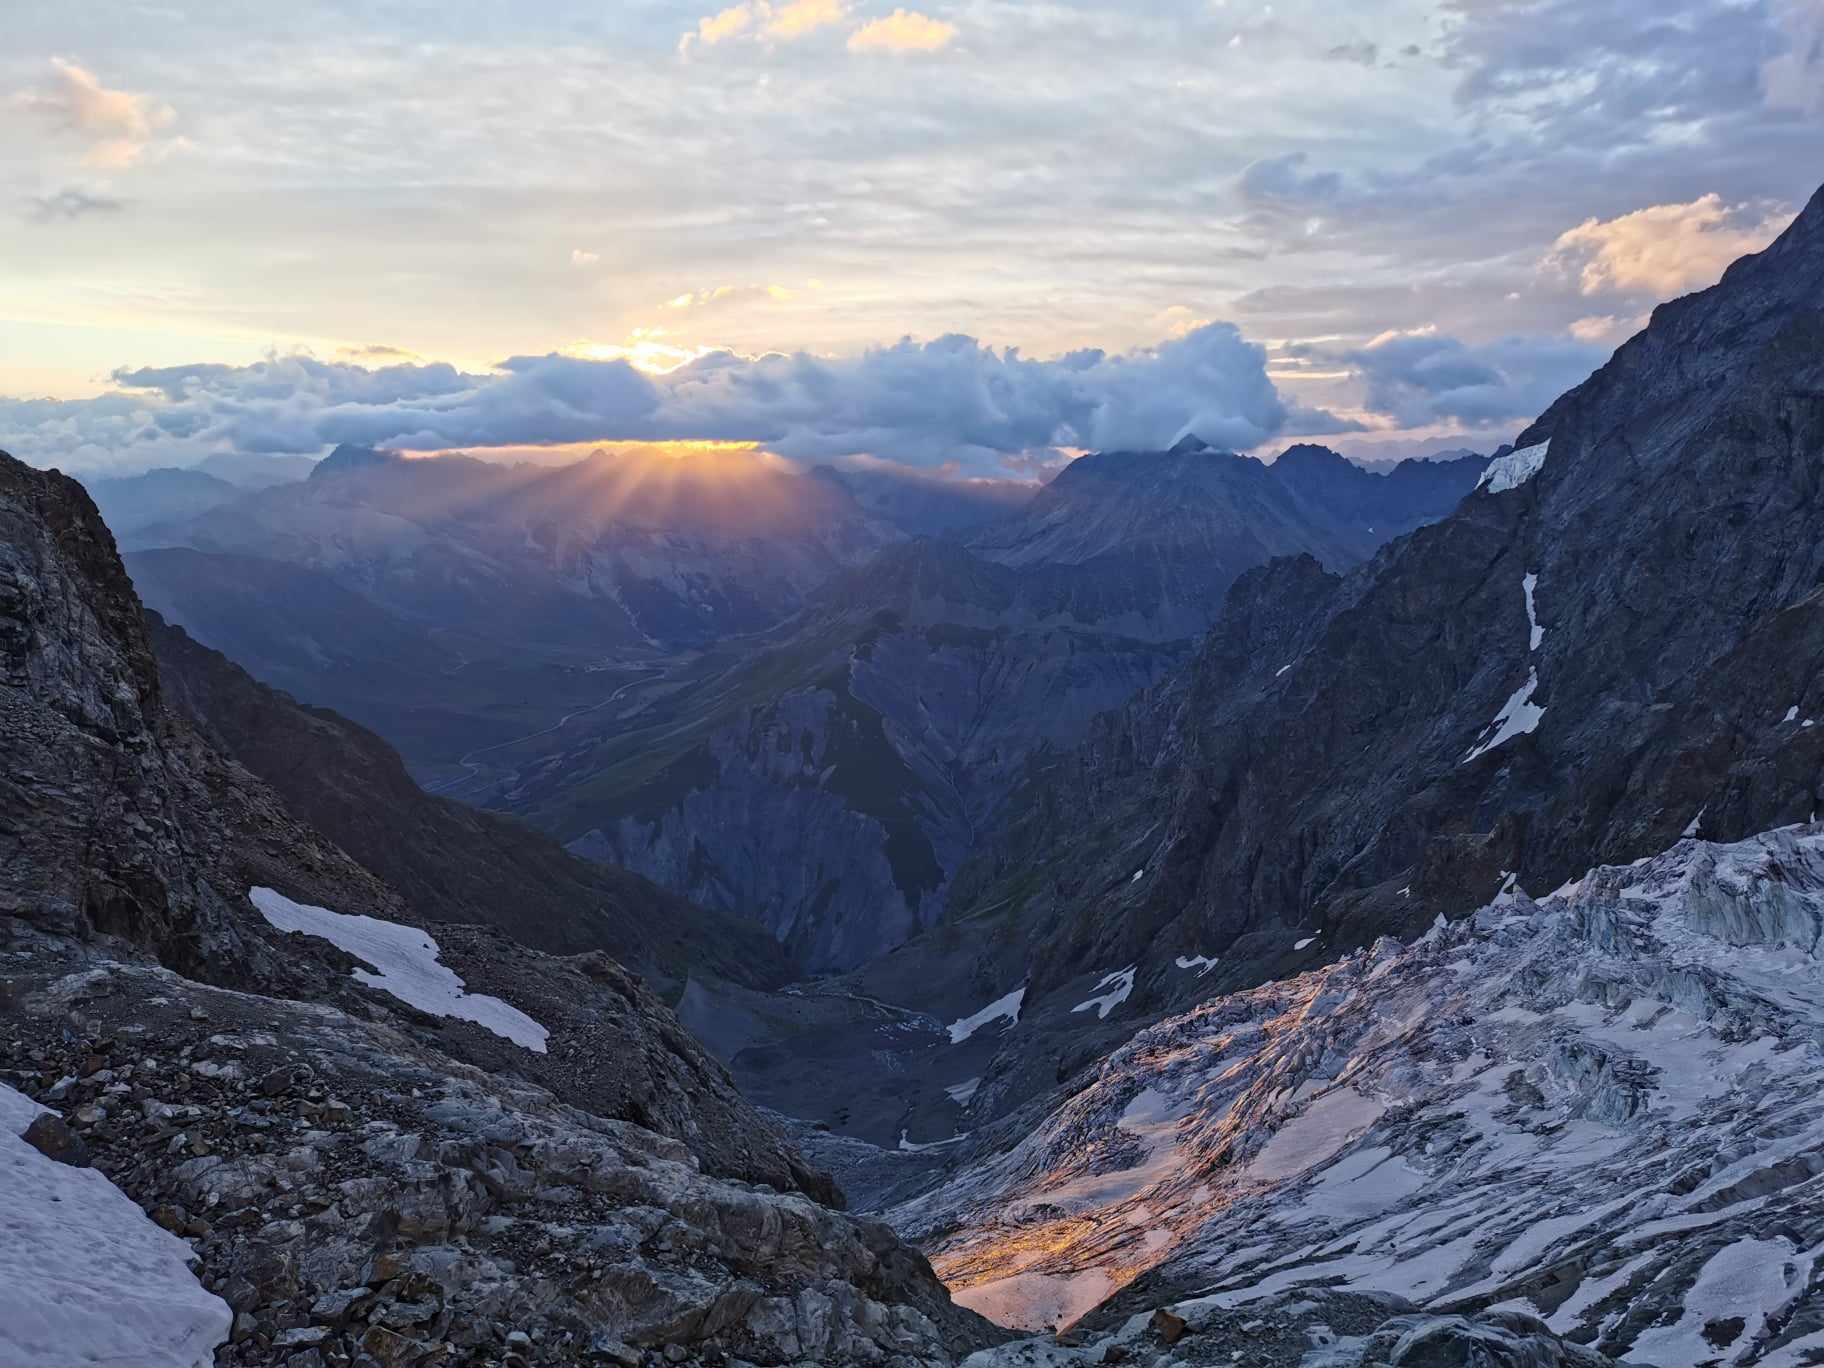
(1419, 221)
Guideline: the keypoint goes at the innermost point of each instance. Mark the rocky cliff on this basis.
(382, 1142)
(1614, 640)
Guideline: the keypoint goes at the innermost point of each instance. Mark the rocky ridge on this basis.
(1614, 643)
(439, 1197)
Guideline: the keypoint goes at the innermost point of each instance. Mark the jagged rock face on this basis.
(1600, 1110)
(94, 836)
(1618, 635)
(353, 1169)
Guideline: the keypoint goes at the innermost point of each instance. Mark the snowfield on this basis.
(1604, 1109)
(406, 959)
(85, 1277)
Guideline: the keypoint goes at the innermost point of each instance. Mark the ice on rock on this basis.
(1514, 469)
(909, 1146)
(963, 1093)
(1315, 1134)
(406, 959)
(1518, 716)
(1006, 1007)
(1111, 992)
(1536, 633)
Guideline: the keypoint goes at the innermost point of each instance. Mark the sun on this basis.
(646, 349)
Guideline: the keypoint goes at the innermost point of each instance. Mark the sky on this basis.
(966, 235)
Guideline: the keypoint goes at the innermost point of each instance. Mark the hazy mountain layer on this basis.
(833, 784)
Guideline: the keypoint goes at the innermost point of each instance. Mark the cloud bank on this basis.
(1424, 377)
(951, 401)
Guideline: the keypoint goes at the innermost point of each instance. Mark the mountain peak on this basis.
(350, 457)
(1188, 445)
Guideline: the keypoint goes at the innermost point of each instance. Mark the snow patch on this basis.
(913, 1147)
(1201, 963)
(407, 960)
(1536, 633)
(963, 1093)
(1301, 944)
(1138, 873)
(1280, 671)
(1037, 1301)
(1119, 985)
(1746, 1279)
(1008, 1007)
(1514, 469)
(85, 1277)
(1518, 716)
(1315, 1134)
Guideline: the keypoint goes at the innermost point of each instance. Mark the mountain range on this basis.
(1213, 912)
(831, 780)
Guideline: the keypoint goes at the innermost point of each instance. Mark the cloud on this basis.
(1666, 249)
(1283, 180)
(903, 31)
(1421, 377)
(729, 23)
(798, 17)
(1362, 54)
(950, 401)
(70, 204)
(118, 125)
(580, 258)
(726, 296)
(378, 351)
(1607, 327)
(783, 22)
(1795, 78)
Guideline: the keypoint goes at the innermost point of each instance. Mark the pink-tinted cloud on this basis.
(1666, 249)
